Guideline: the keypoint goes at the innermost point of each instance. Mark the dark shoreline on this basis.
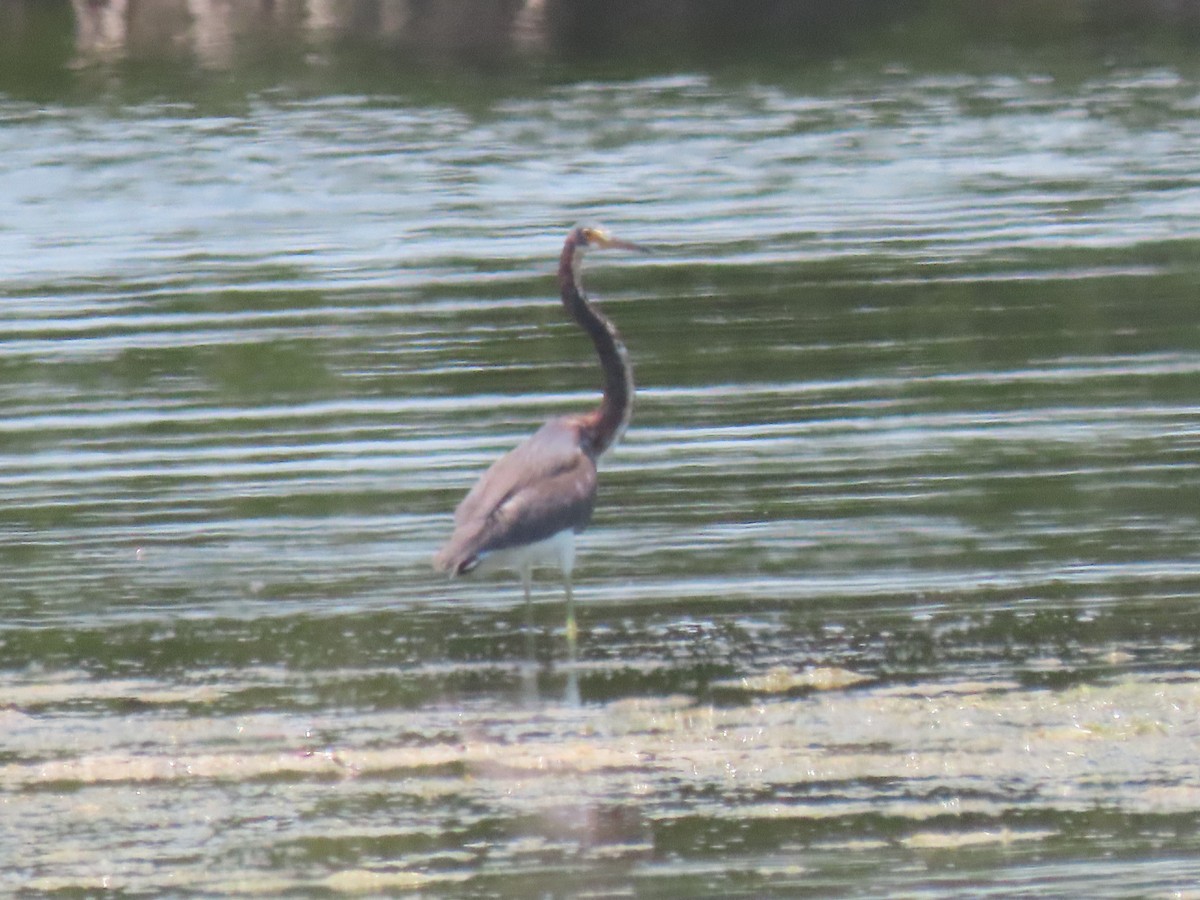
(42, 33)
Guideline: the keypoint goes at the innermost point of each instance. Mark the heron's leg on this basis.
(566, 562)
(572, 629)
(529, 667)
(572, 693)
(526, 583)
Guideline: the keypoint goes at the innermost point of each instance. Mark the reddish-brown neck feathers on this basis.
(605, 424)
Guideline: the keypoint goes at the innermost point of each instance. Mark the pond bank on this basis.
(213, 33)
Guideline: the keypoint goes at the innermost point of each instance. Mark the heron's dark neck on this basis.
(607, 422)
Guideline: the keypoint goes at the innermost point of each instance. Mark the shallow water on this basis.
(890, 588)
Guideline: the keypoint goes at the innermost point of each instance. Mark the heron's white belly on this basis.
(556, 550)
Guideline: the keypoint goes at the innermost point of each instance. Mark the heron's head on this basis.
(595, 236)
(580, 239)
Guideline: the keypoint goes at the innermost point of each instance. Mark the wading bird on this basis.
(527, 508)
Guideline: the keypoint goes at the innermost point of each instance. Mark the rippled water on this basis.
(891, 587)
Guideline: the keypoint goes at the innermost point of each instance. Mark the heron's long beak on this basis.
(611, 243)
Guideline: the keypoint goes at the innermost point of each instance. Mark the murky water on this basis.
(891, 588)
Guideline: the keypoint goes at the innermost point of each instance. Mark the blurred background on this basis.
(891, 587)
(44, 35)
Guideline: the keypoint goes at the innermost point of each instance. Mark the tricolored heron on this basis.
(527, 508)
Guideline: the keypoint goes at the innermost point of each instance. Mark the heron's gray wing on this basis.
(543, 486)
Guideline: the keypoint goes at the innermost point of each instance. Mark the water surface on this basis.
(890, 588)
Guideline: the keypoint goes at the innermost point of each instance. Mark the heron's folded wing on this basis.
(543, 486)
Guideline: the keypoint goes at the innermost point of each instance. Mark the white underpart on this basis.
(577, 267)
(628, 369)
(556, 550)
